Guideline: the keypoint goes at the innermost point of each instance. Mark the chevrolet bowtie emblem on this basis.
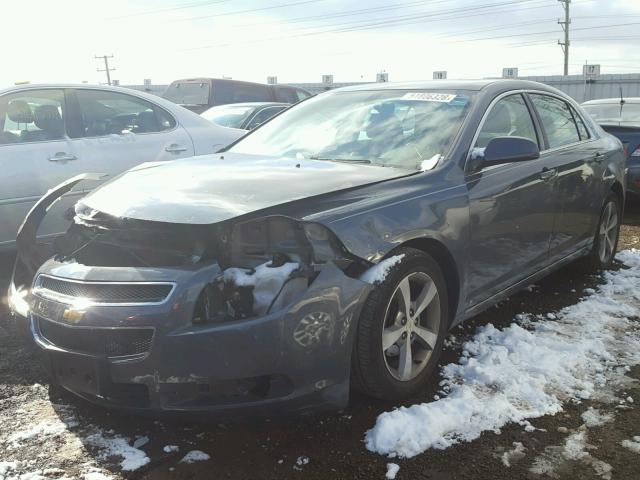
(72, 316)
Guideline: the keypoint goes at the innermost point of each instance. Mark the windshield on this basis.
(228, 115)
(611, 112)
(396, 128)
(188, 93)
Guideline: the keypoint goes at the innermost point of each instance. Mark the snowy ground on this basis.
(543, 386)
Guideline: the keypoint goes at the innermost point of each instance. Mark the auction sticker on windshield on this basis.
(430, 96)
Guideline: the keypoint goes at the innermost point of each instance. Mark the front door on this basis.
(114, 132)
(512, 207)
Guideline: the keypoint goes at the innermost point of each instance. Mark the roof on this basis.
(475, 85)
(610, 101)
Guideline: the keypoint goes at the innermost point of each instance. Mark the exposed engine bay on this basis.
(264, 263)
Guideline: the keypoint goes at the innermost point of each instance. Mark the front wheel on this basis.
(402, 328)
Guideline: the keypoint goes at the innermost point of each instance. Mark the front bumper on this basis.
(151, 357)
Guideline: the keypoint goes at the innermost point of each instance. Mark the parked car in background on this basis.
(333, 247)
(49, 133)
(245, 116)
(621, 117)
(199, 94)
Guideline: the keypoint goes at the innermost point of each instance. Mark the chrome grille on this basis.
(103, 292)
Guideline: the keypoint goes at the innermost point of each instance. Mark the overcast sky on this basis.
(300, 40)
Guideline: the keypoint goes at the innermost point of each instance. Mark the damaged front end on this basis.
(248, 312)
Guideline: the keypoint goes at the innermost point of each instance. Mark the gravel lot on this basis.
(51, 433)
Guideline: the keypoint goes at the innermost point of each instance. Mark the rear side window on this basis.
(557, 120)
(509, 117)
(582, 128)
(32, 116)
(263, 115)
(225, 92)
(105, 112)
(302, 94)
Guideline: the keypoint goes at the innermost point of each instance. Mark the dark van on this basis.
(198, 94)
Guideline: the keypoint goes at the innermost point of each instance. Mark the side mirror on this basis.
(509, 149)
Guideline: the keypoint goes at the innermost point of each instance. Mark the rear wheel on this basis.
(606, 239)
(402, 328)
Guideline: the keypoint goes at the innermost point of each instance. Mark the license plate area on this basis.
(78, 373)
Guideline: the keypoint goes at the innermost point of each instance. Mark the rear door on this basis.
(573, 154)
(114, 131)
(36, 154)
(511, 206)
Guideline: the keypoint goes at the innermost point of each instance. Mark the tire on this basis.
(605, 242)
(386, 373)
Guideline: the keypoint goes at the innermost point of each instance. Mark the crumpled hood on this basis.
(212, 188)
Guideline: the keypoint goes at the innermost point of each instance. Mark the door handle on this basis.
(175, 148)
(62, 157)
(548, 173)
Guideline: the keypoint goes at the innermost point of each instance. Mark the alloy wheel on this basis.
(411, 325)
(608, 232)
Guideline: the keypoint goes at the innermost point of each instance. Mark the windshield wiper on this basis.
(363, 161)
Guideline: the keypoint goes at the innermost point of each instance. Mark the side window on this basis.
(509, 117)
(262, 116)
(32, 116)
(104, 112)
(301, 94)
(582, 128)
(557, 120)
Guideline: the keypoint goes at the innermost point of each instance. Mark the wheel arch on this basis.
(441, 254)
(616, 188)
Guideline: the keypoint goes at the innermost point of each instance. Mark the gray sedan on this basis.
(49, 133)
(245, 116)
(331, 248)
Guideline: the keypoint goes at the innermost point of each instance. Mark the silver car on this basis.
(49, 133)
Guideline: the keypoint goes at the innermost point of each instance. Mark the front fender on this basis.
(29, 256)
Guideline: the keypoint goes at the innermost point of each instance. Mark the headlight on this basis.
(18, 301)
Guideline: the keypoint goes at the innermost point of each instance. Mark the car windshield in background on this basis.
(611, 112)
(188, 93)
(394, 128)
(228, 115)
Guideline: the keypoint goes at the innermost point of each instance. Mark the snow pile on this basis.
(574, 450)
(595, 418)
(379, 272)
(392, 471)
(171, 449)
(526, 371)
(195, 456)
(512, 456)
(633, 445)
(47, 429)
(132, 457)
(266, 282)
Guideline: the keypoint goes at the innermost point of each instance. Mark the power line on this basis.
(360, 25)
(252, 10)
(106, 69)
(170, 9)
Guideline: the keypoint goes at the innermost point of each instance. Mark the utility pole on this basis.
(565, 27)
(106, 66)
